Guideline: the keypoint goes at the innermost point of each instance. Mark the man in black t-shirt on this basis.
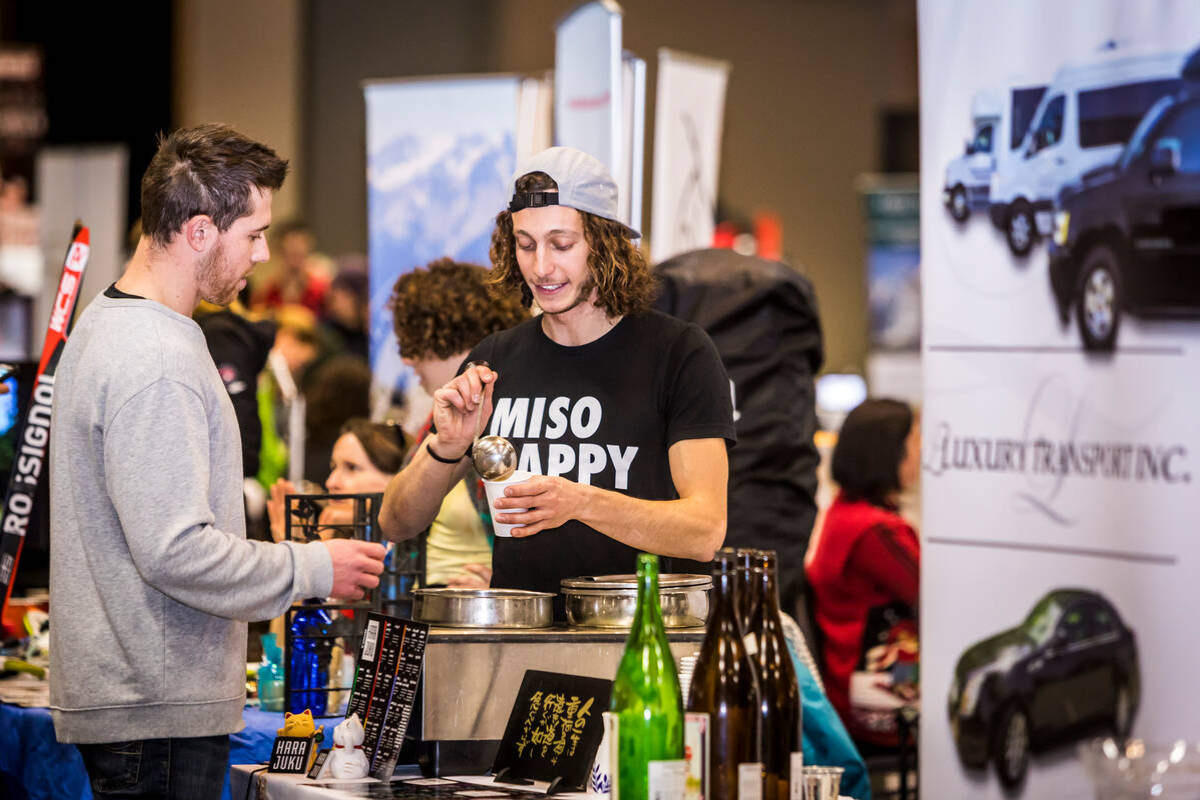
(623, 414)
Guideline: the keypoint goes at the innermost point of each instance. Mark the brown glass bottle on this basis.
(749, 586)
(781, 721)
(725, 687)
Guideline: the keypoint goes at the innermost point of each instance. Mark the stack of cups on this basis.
(687, 665)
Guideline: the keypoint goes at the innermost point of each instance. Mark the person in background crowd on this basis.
(150, 568)
(335, 392)
(622, 414)
(365, 457)
(440, 312)
(239, 347)
(347, 308)
(301, 277)
(297, 339)
(866, 565)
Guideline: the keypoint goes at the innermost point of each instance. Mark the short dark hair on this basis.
(869, 450)
(208, 169)
(624, 282)
(445, 308)
(385, 443)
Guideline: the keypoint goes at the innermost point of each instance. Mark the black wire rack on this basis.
(319, 632)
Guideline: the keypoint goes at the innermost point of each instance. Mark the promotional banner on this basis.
(892, 207)
(1060, 204)
(689, 111)
(633, 137)
(588, 84)
(440, 154)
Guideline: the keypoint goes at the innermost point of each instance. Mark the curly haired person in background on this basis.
(440, 313)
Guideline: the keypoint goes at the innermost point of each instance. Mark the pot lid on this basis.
(482, 594)
(629, 582)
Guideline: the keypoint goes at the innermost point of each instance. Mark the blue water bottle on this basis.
(312, 648)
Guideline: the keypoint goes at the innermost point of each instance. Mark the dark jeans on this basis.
(176, 769)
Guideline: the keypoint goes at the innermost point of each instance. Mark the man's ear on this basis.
(199, 232)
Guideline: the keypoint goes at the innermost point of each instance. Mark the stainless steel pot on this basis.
(483, 608)
(609, 601)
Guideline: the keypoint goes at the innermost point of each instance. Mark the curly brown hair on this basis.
(624, 282)
(446, 308)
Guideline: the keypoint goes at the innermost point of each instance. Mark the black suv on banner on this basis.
(1127, 236)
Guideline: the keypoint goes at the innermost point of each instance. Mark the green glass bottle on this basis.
(645, 697)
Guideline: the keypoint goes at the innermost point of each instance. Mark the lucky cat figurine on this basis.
(347, 759)
(299, 725)
(302, 725)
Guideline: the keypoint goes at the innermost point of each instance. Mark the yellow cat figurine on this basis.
(302, 725)
(299, 724)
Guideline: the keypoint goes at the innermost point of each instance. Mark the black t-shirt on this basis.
(115, 293)
(605, 414)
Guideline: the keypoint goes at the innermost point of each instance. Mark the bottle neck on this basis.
(725, 588)
(768, 594)
(648, 614)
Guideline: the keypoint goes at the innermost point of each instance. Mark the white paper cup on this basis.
(495, 489)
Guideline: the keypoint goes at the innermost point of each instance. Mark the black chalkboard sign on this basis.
(554, 729)
(290, 754)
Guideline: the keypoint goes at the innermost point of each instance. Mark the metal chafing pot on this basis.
(609, 601)
(483, 608)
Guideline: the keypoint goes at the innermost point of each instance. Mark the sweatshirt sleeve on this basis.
(156, 462)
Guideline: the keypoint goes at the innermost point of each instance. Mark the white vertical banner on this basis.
(689, 112)
(440, 154)
(535, 116)
(588, 83)
(633, 140)
(1060, 152)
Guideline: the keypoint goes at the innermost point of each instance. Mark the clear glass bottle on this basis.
(777, 679)
(725, 687)
(646, 698)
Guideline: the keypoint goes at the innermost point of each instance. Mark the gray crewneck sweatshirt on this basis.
(151, 575)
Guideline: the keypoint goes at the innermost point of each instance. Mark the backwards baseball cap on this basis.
(584, 184)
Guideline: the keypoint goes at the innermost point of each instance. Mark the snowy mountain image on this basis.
(430, 196)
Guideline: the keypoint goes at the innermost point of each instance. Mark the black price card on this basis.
(555, 728)
(385, 686)
(290, 754)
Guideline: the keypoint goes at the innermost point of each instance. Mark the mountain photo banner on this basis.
(440, 153)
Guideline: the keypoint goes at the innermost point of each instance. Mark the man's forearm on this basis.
(691, 527)
(414, 494)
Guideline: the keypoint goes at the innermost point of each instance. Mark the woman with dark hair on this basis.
(365, 457)
(865, 565)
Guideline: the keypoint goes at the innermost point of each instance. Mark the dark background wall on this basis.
(811, 84)
(107, 75)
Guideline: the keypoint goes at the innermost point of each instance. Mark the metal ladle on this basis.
(494, 456)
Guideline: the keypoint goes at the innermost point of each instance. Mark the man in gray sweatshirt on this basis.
(151, 575)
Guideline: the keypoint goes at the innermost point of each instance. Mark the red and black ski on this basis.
(33, 436)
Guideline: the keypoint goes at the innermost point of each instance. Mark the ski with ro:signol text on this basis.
(33, 432)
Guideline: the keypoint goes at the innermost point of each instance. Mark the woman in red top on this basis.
(865, 570)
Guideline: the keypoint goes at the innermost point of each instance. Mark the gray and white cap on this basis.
(584, 184)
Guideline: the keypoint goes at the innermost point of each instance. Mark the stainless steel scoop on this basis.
(494, 456)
